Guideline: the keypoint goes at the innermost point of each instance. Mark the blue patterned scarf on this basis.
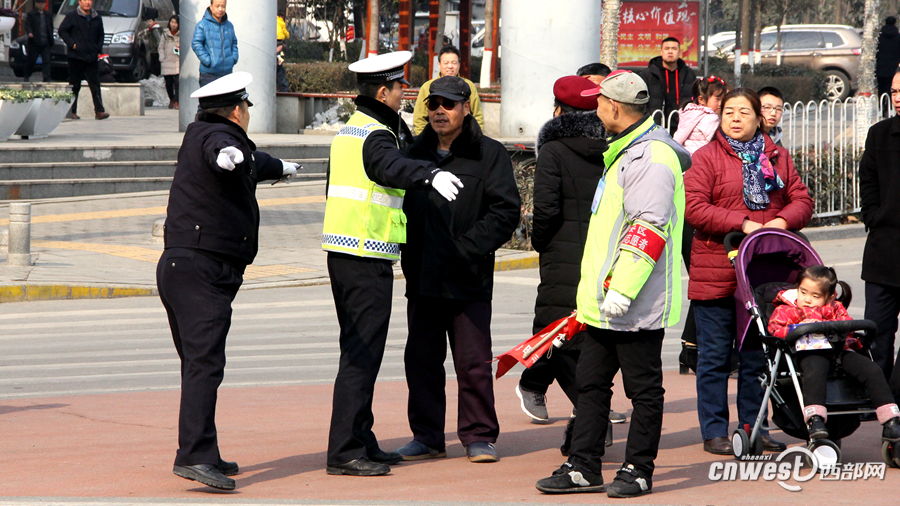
(758, 173)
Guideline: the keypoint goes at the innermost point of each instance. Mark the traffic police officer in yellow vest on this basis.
(364, 227)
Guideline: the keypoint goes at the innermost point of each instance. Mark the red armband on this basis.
(645, 240)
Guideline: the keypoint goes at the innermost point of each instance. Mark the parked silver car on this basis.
(833, 49)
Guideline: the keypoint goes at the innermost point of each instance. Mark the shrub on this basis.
(296, 51)
(829, 175)
(796, 83)
(320, 77)
(524, 171)
(418, 76)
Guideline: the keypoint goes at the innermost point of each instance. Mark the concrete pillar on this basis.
(254, 25)
(19, 234)
(538, 50)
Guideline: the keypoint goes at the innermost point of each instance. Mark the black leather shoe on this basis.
(228, 468)
(771, 445)
(383, 457)
(206, 474)
(718, 446)
(359, 467)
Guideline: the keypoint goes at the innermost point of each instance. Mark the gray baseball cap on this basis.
(622, 86)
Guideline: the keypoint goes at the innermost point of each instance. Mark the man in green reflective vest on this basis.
(630, 290)
(364, 227)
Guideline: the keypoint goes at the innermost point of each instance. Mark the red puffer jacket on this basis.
(715, 206)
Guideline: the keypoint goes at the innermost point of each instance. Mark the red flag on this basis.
(529, 351)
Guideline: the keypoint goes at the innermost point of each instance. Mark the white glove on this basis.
(615, 304)
(446, 184)
(289, 170)
(230, 157)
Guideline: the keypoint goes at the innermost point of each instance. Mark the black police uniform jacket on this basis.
(879, 185)
(569, 165)
(212, 209)
(449, 250)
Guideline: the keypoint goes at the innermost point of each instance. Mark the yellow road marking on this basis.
(149, 211)
(152, 255)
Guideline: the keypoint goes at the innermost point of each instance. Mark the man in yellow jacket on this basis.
(281, 82)
(448, 59)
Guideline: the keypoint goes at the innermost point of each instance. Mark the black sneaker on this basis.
(891, 430)
(629, 482)
(816, 427)
(569, 479)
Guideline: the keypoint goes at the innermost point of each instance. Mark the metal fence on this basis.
(825, 143)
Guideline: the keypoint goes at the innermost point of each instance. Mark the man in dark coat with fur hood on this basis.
(448, 260)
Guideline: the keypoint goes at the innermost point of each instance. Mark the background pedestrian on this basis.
(82, 31)
(215, 43)
(170, 59)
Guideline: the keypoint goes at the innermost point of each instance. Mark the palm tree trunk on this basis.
(609, 28)
(867, 99)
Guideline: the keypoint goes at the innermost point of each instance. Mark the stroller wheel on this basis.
(827, 453)
(890, 454)
(741, 445)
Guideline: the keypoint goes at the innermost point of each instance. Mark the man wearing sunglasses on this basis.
(364, 227)
(448, 260)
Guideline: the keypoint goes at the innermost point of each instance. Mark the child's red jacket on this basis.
(788, 313)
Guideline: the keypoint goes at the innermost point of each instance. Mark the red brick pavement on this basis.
(122, 445)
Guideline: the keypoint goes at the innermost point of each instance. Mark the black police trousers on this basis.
(197, 292)
(639, 356)
(362, 290)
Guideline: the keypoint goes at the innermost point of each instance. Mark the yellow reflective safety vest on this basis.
(362, 218)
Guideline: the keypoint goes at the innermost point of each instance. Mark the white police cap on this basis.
(382, 68)
(225, 91)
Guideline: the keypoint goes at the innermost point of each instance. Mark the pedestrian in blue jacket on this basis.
(215, 43)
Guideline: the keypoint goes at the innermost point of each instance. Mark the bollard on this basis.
(19, 234)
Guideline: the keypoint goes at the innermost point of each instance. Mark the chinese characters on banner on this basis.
(644, 25)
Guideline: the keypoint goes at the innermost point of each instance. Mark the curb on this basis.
(26, 292)
(21, 293)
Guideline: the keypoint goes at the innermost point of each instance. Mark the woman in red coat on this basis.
(740, 181)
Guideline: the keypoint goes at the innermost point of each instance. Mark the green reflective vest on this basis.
(361, 217)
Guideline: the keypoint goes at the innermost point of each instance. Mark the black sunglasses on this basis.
(446, 103)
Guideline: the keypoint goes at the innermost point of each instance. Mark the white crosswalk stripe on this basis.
(277, 337)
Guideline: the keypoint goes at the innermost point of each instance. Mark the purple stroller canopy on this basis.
(765, 256)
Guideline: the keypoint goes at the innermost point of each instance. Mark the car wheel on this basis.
(140, 71)
(837, 85)
(18, 71)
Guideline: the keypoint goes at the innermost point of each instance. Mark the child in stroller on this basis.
(814, 300)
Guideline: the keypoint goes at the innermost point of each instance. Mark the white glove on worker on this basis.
(289, 170)
(446, 184)
(230, 157)
(615, 304)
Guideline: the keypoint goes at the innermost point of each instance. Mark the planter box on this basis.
(12, 115)
(45, 116)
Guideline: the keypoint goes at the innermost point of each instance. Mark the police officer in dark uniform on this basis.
(364, 226)
(212, 223)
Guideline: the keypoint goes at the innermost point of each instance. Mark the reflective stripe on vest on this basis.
(361, 218)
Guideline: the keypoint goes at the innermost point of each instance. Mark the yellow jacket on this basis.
(420, 113)
(283, 33)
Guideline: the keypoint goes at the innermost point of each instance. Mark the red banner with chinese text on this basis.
(644, 25)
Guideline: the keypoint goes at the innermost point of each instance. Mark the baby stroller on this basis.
(767, 261)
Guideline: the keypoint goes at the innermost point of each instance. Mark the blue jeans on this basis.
(715, 320)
